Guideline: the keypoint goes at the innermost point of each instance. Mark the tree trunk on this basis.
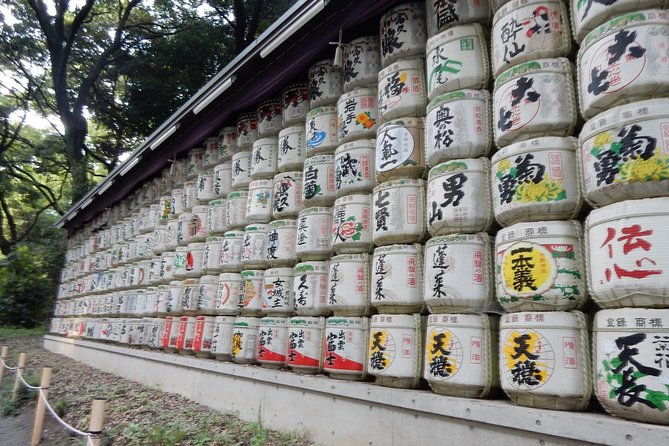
(75, 136)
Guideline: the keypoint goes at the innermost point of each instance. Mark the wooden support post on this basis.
(97, 420)
(3, 355)
(40, 408)
(17, 382)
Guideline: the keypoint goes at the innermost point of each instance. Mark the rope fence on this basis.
(93, 435)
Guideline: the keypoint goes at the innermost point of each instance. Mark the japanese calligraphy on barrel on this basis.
(345, 347)
(321, 130)
(310, 288)
(351, 224)
(354, 167)
(221, 340)
(280, 244)
(305, 344)
(278, 299)
(251, 290)
(247, 131)
(326, 83)
(295, 100)
(403, 32)
(402, 90)
(444, 15)
(400, 149)
(362, 62)
(318, 187)
(272, 342)
(398, 209)
(287, 195)
(244, 340)
(269, 115)
(395, 353)
(259, 204)
(314, 240)
(397, 279)
(241, 170)
(357, 115)
(264, 158)
(348, 285)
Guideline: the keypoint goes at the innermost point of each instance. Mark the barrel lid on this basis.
(538, 229)
(270, 321)
(415, 63)
(217, 202)
(653, 320)
(480, 237)
(319, 159)
(271, 141)
(283, 223)
(224, 165)
(256, 227)
(181, 249)
(626, 209)
(295, 86)
(364, 257)
(168, 254)
(198, 245)
(230, 129)
(359, 322)
(279, 272)
(252, 274)
(414, 248)
(292, 175)
(559, 64)
(624, 114)
(365, 40)
(460, 95)
(224, 319)
(214, 239)
(358, 144)
(402, 122)
(354, 198)
(199, 209)
(307, 321)
(242, 154)
(315, 211)
(261, 184)
(320, 63)
(208, 278)
(233, 234)
(622, 22)
(324, 110)
(406, 182)
(366, 91)
(271, 101)
(540, 144)
(461, 165)
(191, 282)
(314, 266)
(397, 320)
(542, 319)
(454, 33)
(456, 320)
(247, 322)
(238, 194)
(206, 173)
(249, 116)
(229, 276)
(291, 130)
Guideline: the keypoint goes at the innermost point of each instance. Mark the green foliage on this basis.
(20, 332)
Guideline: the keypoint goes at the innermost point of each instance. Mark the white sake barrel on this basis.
(287, 195)
(216, 224)
(254, 246)
(310, 288)
(241, 170)
(280, 243)
(161, 300)
(199, 226)
(399, 215)
(544, 359)
(278, 299)
(357, 114)
(231, 251)
(292, 149)
(535, 180)
(170, 334)
(305, 344)
(400, 149)
(204, 333)
(395, 353)
(321, 130)
(402, 90)
(206, 294)
(184, 228)
(244, 340)
(165, 238)
(259, 201)
(177, 205)
(326, 84)
(625, 154)
(630, 358)
(295, 99)
(460, 357)
(190, 198)
(348, 285)
(227, 144)
(154, 338)
(268, 116)
(272, 342)
(247, 131)
(313, 237)
(362, 62)
(627, 253)
(251, 290)
(194, 257)
(449, 136)
(228, 293)
(195, 163)
(235, 209)
(457, 59)
(264, 158)
(444, 15)
(458, 273)
(458, 197)
(351, 225)
(211, 153)
(318, 187)
(354, 167)
(189, 296)
(403, 32)
(345, 355)
(534, 99)
(175, 292)
(180, 262)
(586, 16)
(179, 169)
(205, 187)
(540, 266)
(621, 61)
(165, 209)
(397, 279)
(221, 340)
(223, 179)
(186, 336)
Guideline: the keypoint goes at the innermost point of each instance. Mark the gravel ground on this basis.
(135, 414)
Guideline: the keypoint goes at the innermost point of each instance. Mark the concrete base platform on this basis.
(349, 413)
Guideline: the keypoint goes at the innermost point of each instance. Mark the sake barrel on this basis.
(254, 246)
(235, 209)
(318, 186)
(186, 336)
(457, 58)
(228, 293)
(403, 32)
(295, 99)
(402, 90)
(630, 360)
(460, 357)
(189, 297)
(305, 344)
(231, 251)
(221, 340)
(326, 83)
(195, 163)
(624, 153)
(348, 285)
(345, 352)
(291, 148)
(280, 243)
(227, 143)
(268, 117)
(362, 62)
(190, 198)
(398, 208)
(448, 136)
(179, 170)
(161, 300)
(272, 342)
(211, 153)
(524, 31)
(165, 209)
(194, 256)
(397, 279)
(206, 294)
(205, 187)
(351, 225)
(321, 130)
(180, 262)
(241, 170)
(444, 15)
(458, 197)
(310, 288)
(264, 158)
(313, 238)
(247, 131)
(357, 114)
(177, 204)
(184, 228)
(170, 333)
(354, 167)
(251, 290)
(278, 298)
(400, 149)
(204, 333)
(620, 61)
(244, 340)
(626, 250)
(223, 179)
(259, 204)
(458, 273)
(287, 194)
(544, 359)
(199, 225)
(216, 223)
(174, 304)
(539, 266)
(534, 99)
(395, 350)
(586, 16)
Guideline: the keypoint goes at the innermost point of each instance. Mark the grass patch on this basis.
(20, 332)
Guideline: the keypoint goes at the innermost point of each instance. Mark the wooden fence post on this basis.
(17, 382)
(97, 420)
(3, 355)
(45, 382)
